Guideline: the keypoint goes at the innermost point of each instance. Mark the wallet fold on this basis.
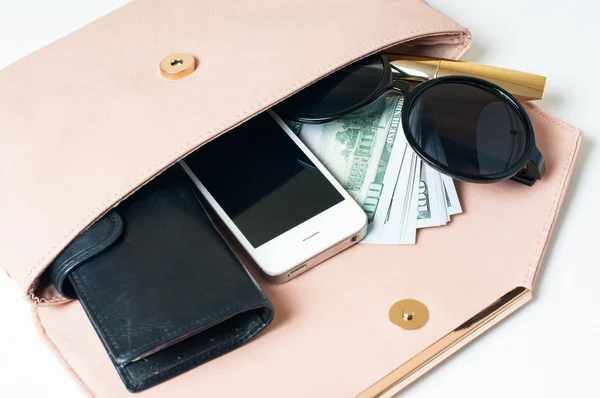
(159, 284)
(98, 238)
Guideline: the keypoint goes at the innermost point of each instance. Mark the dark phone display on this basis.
(262, 179)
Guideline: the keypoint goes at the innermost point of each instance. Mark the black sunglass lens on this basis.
(468, 128)
(335, 94)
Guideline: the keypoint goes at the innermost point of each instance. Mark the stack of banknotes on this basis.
(368, 154)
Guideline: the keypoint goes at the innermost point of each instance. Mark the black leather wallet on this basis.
(161, 287)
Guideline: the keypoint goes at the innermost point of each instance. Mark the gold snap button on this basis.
(177, 66)
(408, 317)
(409, 314)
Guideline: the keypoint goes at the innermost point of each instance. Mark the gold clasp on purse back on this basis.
(409, 314)
(177, 66)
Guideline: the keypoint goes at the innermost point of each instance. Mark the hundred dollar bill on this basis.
(368, 154)
(402, 223)
(451, 196)
(431, 210)
(386, 226)
(409, 228)
(357, 149)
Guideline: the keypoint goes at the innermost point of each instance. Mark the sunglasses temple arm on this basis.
(533, 170)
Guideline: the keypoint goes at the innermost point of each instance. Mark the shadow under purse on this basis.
(159, 284)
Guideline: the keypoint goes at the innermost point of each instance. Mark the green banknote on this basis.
(357, 148)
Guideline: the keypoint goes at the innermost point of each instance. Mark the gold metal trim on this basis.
(448, 345)
(177, 66)
(409, 314)
(522, 85)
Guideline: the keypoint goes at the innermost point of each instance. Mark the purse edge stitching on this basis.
(561, 189)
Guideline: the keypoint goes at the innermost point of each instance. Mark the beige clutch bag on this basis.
(89, 119)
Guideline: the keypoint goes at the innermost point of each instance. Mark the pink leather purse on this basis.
(89, 119)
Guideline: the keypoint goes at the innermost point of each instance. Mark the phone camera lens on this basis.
(354, 238)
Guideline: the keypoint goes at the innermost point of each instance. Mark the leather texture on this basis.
(65, 107)
(331, 328)
(92, 242)
(167, 294)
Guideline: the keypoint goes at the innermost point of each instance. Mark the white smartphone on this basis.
(288, 212)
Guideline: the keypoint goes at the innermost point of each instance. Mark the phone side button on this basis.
(296, 270)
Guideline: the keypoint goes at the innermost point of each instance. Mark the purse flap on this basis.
(332, 336)
(87, 120)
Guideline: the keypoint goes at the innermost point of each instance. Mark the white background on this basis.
(549, 348)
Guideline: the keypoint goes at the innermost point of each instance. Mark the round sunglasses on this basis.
(465, 127)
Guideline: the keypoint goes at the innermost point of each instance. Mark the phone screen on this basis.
(262, 179)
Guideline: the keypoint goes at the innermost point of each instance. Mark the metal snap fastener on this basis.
(177, 66)
(409, 314)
